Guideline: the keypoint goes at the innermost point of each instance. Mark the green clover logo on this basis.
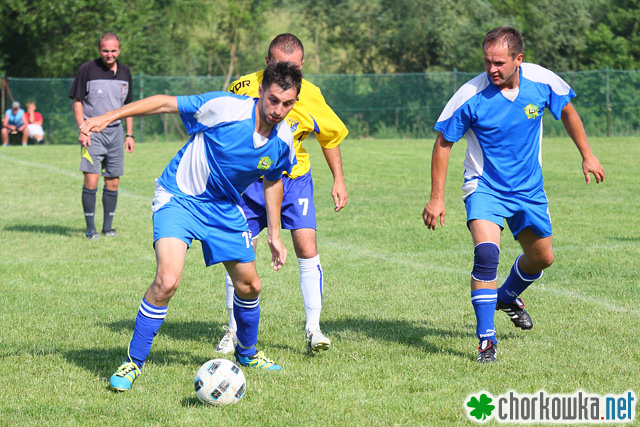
(482, 408)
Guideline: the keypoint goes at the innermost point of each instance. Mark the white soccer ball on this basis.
(219, 382)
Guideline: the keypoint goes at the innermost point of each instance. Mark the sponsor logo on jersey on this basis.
(236, 87)
(293, 124)
(265, 163)
(124, 89)
(532, 111)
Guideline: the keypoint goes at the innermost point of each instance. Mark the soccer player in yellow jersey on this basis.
(310, 114)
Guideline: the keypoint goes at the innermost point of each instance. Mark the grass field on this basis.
(396, 302)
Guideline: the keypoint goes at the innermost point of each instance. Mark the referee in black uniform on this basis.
(102, 85)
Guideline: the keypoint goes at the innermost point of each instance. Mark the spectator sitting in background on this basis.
(34, 120)
(13, 123)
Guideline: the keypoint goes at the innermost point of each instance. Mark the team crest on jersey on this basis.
(124, 89)
(265, 163)
(532, 111)
(293, 124)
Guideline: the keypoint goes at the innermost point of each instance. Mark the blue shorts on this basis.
(220, 227)
(520, 213)
(298, 208)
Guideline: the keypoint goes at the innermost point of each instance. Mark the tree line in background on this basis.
(52, 38)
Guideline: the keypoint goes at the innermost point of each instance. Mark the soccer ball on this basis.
(219, 382)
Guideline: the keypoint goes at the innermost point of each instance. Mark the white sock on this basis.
(311, 288)
(228, 287)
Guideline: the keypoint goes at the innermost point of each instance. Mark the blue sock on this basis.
(516, 283)
(484, 304)
(148, 322)
(247, 315)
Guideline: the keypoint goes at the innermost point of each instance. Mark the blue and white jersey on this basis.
(504, 136)
(224, 154)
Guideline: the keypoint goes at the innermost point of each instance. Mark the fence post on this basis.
(608, 104)
(141, 96)
(4, 94)
(165, 121)
(455, 80)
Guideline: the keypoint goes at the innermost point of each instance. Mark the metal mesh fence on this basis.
(372, 105)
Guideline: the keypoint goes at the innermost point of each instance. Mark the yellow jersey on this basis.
(310, 114)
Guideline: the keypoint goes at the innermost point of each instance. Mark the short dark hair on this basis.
(509, 35)
(284, 74)
(286, 42)
(106, 36)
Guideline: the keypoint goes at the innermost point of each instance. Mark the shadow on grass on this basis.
(415, 334)
(46, 228)
(177, 330)
(189, 402)
(105, 361)
(627, 239)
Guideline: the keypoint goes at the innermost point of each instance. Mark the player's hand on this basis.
(129, 144)
(94, 124)
(339, 194)
(278, 254)
(85, 140)
(592, 165)
(434, 211)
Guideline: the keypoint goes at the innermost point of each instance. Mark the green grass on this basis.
(396, 297)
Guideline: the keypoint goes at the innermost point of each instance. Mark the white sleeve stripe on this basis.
(284, 133)
(465, 93)
(538, 74)
(224, 109)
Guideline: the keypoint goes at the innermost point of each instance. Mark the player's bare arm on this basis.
(435, 210)
(78, 114)
(157, 104)
(273, 201)
(130, 143)
(590, 163)
(339, 189)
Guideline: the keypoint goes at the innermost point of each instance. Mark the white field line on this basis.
(413, 261)
(421, 262)
(589, 300)
(77, 175)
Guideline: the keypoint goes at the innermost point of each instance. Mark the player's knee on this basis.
(248, 289)
(550, 257)
(545, 260)
(306, 252)
(485, 262)
(304, 243)
(166, 284)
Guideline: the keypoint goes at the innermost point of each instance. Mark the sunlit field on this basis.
(396, 301)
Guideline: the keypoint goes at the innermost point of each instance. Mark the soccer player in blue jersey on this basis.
(500, 112)
(310, 115)
(234, 140)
